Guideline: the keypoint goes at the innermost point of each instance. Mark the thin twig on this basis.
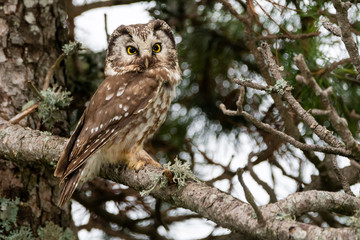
(332, 66)
(232, 10)
(18, 117)
(297, 179)
(332, 28)
(319, 112)
(268, 15)
(250, 198)
(35, 89)
(288, 36)
(241, 98)
(343, 180)
(250, 83)
(50, 73)
(106, 28)
(282, 6)
(354, 115)
(264, 185)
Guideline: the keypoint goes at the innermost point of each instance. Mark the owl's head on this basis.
(141, 47)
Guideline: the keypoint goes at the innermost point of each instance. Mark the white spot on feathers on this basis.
(108, 97)
(120, 92)
(116, 118)
(120, 105)
(126, 108)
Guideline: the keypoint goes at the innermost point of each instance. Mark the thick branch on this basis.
(18, 144)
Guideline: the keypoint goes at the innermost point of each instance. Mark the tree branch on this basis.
(339, 123)
(346, 36)
(79, 9)
(266, 127)
(24, 145)
(288, 36)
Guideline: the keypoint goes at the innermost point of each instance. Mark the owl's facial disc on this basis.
(137, 48)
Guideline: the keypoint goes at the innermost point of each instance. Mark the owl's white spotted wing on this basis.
(63, 160)
(117, 101)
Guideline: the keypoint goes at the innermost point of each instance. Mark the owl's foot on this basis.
(139, 164)
(169, 175)
(140, 159)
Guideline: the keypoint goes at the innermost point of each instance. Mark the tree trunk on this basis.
(31, 35)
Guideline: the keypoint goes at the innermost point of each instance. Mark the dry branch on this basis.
(288, 36)
(250, 198)
(26, 146)
(346, 36)
(332, 28)
(266, 127)
(321, 131)
(339, 123)
(318, 129)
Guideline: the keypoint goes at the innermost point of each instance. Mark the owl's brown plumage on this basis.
(129, 106)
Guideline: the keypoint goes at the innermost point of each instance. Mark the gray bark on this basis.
(31, 35)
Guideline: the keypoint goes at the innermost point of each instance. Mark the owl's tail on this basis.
(70, 184)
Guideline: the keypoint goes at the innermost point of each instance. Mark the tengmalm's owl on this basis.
(141, 72)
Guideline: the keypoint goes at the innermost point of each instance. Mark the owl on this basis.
(141, 73)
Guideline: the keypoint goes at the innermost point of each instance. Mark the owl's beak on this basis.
(146, 55)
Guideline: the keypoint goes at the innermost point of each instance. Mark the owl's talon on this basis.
(140, 164)
(169, 175)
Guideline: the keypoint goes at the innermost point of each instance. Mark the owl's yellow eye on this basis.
(156, 48)
(131, 50)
